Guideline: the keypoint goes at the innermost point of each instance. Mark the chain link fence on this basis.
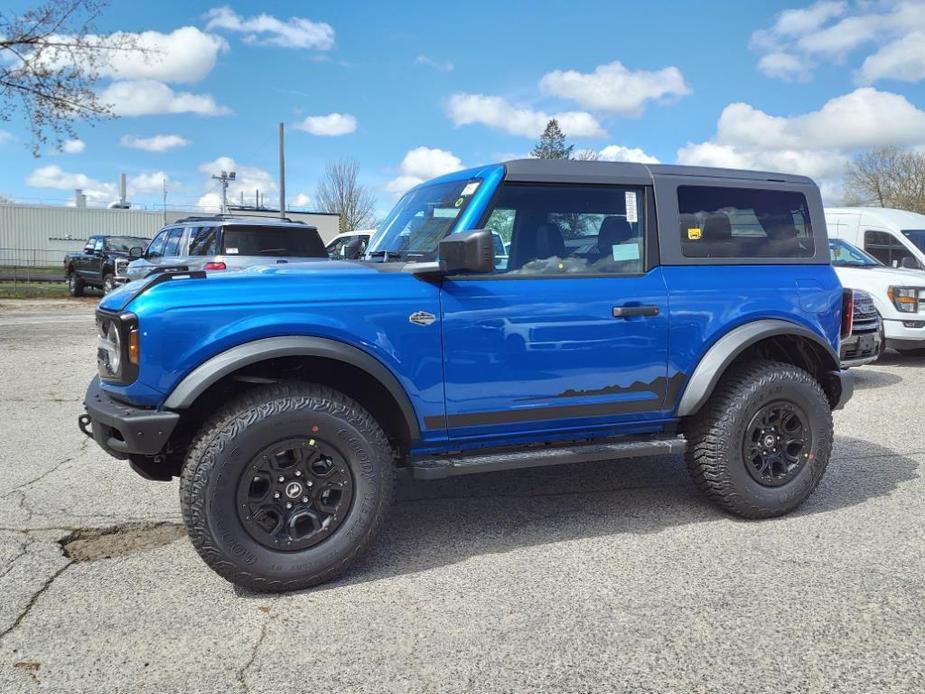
(31, 265)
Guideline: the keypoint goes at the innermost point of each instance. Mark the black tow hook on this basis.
(83, 423)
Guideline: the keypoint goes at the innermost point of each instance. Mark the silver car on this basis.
(219, 243)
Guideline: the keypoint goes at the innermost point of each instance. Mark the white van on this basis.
(894, 237)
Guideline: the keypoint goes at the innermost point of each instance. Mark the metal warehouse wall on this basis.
(41, 235)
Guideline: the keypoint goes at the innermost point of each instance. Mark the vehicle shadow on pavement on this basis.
(869, 378)
(444, 522)
(893, 358)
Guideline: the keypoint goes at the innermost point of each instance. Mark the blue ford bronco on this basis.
(629, 310)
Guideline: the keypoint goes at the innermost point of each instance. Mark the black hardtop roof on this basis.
(572, 171)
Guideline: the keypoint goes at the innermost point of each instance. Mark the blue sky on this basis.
(420, 88)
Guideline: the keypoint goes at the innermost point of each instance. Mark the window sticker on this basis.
(470, 188)
(231, 251)
(625, 251)
(694, 233)
(459, 202)
(632, 216)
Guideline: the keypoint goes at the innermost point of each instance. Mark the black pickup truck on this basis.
(101, 263)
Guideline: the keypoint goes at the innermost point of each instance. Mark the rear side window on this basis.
(298, 242)
(204, 241)
(718, 222)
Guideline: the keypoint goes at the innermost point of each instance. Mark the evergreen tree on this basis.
(552, 143)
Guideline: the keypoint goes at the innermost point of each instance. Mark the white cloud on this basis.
(817, 144)
(829, 32)
(903, 59)
(6, 137)
(442, 66)
(620, 153)
(295, 32)
(332, 124)
(613, 88)
(497, 112)
(248, 179)
(75, 146)
(421, 164)
(53, 176)
(184, 55)
(300, 200)
(149, 97)
(155, 143)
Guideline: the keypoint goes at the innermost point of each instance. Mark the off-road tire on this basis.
(716, 436)
(109, 283)
(75, 285)
(221, 452)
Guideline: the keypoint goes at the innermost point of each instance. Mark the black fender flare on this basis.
(214, 369)
(724, 351)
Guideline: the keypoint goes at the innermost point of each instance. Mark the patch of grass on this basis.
(33, 290)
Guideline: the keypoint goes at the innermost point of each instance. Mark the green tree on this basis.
(552, 143)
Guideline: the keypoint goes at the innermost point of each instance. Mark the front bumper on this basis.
(903, 337)
(857, 350)
(121, 429)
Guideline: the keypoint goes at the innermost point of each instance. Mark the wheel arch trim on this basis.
(214, 369)
(724, 351)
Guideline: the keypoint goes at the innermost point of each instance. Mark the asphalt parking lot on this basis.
(596, 578)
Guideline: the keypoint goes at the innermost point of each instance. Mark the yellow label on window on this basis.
(694, 233)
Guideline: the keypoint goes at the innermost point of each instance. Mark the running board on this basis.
(438, 467)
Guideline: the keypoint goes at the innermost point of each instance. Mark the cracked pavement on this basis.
(605, 577)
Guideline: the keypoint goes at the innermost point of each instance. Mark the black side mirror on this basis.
(135, 252)
(354, 248)
(909, 263)
(468, 251)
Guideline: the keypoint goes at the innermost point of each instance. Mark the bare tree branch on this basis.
(340, 192)
(50, 62)
(887, 177)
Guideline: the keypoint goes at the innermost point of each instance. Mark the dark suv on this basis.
(639, 310)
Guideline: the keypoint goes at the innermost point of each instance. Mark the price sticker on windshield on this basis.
(470, 188)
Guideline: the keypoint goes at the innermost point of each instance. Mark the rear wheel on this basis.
(760, 445)
(286, 487)
(75, 285)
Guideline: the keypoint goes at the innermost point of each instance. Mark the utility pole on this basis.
(282, 170)
(164, 180)
(225, 177)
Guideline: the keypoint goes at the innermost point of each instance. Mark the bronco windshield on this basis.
(420, 220)
(845, 255)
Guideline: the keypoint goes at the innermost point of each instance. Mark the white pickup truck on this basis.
(898, 294)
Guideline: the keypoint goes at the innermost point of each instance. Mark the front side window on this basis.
(98, 245)
(421, 219)
(720, 222)
(172, 246)
(156, 247)
(568, 229)
(885, 247)
(204, 241)
(291, 241)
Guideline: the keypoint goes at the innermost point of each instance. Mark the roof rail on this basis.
(222, 217)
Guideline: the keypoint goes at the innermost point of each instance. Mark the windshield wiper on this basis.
(395, 256)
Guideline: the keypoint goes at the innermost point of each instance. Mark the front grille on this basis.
(866, 318)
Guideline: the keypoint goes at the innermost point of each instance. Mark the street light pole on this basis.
(224, 178)
(282, 170)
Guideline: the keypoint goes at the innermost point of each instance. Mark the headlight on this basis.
(906, 299)
(117, 348)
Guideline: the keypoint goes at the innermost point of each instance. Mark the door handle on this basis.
(630, 311)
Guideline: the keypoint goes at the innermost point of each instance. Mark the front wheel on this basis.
(109, 283)
(75, 285)
(286, 486)
(760, 445)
